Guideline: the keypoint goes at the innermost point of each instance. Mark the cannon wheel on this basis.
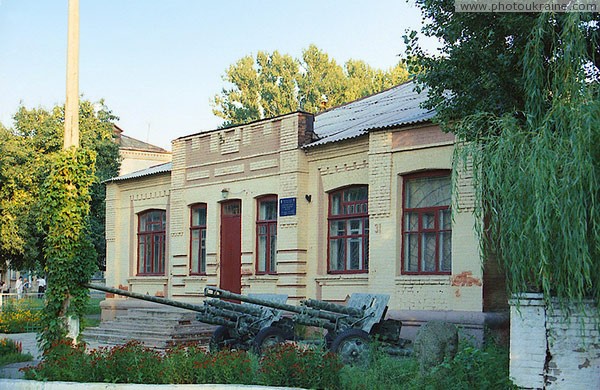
(352, 346)
(267, 337)
(217, 340)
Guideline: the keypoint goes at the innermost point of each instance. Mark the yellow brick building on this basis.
(356, 199)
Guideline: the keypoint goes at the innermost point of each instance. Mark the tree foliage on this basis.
(26, 152)
(272, 84)
(521, 93)
(480, 67)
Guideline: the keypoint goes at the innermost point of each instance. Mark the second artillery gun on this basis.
(349, 328)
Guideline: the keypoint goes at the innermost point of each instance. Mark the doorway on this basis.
(231, 246)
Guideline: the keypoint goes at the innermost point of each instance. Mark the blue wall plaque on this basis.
(287, 207)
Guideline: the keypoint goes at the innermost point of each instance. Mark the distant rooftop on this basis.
(161, 168)
(126, 142)
(397, 106)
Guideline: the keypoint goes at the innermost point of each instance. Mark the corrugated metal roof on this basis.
(161, 168)
(394, 107)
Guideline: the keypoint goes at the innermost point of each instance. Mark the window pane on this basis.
(428, 192)
(195, 255)
(199, 216)
(428, 220)
(148, 257)
(411, 222)
(446, 251)
(411, 252)
(203, 251)
(356, 193)
(161, 263)
(355, 226)
(141, 253)
(428, 252)
(445, 219)
(273, 257)
(157, 251)
(335, 204)
(336, 254)
(262, 253)
(267, 210)
(232, 208)
(354, 253)
(366, 252)
(337, 228)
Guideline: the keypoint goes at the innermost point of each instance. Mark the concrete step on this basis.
(178, 314)
(154, 328)
(164, 326)
(103, 340)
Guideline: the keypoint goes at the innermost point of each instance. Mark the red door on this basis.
(231, 246)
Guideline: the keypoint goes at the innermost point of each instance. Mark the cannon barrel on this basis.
(209, 319)
(228, 314)
(214, 292)
(144, 297)
(351, 311)
(312, 321)
(235, 308)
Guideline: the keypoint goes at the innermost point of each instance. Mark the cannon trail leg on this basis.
(219, 338)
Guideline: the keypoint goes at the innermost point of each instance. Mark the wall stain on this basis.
(465, 279)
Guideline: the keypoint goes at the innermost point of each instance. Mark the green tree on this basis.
(521, 93)
(25, 162)
(273, 84)
(19, 166)
(480, 67)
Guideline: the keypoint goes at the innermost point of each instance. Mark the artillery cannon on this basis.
(239, 326)
(349, 328)
(259, 321)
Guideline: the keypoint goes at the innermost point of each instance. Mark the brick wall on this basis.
(549, 351)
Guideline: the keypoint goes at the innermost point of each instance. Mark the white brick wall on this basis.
(547, 351)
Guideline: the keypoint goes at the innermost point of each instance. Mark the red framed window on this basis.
(348, 233)
(427, 223)
(151, 242)
(198, 239)
(266, 235)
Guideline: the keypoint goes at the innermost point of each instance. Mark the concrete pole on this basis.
(72, 101)
(72, 115)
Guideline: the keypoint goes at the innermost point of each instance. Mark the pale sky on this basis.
(158, 63)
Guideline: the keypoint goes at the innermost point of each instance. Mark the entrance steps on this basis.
(157, 328)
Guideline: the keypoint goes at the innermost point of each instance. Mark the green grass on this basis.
(14, 358)
(93, 306)
(471, 368)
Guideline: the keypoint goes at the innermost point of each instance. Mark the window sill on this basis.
(343, 279)
(416, 279)
(264, 278)
(195, 278)
(150, 279)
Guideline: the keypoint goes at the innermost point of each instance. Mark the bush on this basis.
(128, 363)
(292, 366)
(471, 368)
(282, 365)
(19, 316)
(12, 352)
(63, 361)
